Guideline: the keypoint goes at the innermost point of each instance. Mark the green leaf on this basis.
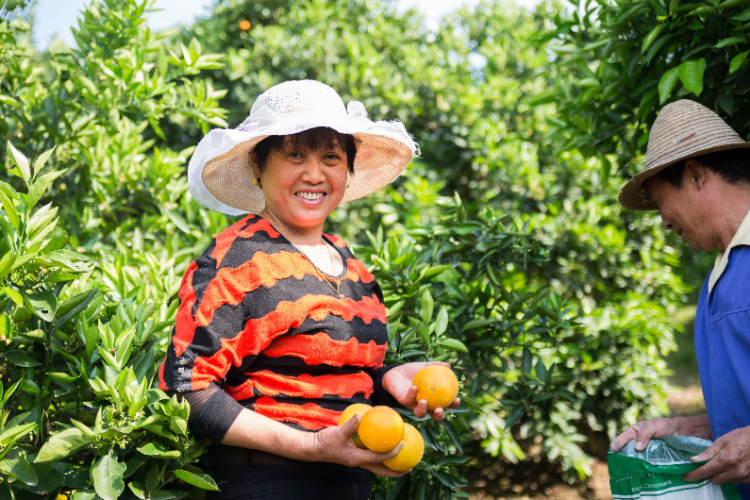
(107, 476)
(448, 426)
(73, 306)
(43, 304)
(12, 433)
(62, 444)
(158, 450)
(742, 16)
(427, 306)
(200, 480)
(441, 322)
(20, 468)
(514, 417)
(10, 209)
(6, 264)
(20, 358)
(16, 297)
(651, 37)
(5, 99)
(691, 75)
(453, 345)
(39, 187)
(738, 61)
(666, 84)
(21, 162)
(727, 42)
(39, 163)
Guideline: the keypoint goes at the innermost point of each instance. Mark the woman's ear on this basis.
(254, 164)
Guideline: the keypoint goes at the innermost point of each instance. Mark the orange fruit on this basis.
(351, 410)
(437, 384)
(245, 25)
(410, 454)
(381, 429)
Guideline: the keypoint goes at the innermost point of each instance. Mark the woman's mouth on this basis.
(306, 195)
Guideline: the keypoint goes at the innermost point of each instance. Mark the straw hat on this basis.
(219, 173)
(684, 129)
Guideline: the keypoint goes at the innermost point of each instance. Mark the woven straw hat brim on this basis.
(221, 177)
(684, 129)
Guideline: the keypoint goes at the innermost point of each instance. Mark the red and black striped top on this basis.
(256, 319)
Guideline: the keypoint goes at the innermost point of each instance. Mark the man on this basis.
(697, 174)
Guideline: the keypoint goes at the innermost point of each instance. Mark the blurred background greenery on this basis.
(502, 248)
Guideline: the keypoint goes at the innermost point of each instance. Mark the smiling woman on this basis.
(280, 328)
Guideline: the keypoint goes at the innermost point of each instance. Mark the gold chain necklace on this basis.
(320, 273)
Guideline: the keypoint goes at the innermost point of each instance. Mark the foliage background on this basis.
(501, 249)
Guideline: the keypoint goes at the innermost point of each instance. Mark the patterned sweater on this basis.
(256, 320)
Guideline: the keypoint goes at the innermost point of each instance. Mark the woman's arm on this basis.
(333, 444)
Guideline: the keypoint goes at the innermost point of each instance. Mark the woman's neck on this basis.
(298, 236)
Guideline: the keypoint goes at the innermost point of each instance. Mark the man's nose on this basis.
(666, 223)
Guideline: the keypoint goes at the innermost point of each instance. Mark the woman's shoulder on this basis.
(239, 242)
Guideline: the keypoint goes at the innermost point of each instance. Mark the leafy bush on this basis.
(549, 317)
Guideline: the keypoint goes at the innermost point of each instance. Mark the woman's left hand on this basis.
(398, 382)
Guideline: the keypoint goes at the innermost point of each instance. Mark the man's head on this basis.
(691, 195)
(695, 164)
(683, 130)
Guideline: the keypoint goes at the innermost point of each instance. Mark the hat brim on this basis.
(634, 197)
(220, 175)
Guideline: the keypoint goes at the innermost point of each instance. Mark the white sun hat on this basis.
(219, 173)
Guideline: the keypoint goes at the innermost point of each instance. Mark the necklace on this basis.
(328, 281)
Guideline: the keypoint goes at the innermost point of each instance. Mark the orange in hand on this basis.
(438, 385)
(351, 410)
(381, 429)
(412, 452)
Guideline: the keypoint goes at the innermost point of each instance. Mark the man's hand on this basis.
(398, 382)
(657, 428)
(728, 459)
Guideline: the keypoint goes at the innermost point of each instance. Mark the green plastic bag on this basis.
(656, 472)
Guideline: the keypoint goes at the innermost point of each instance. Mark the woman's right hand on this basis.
(335, 444)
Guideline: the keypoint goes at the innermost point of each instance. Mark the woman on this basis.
(280, 327)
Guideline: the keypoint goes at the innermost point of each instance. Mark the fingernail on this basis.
(696, 458)
(639, 446)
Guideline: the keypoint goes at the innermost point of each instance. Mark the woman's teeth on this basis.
(310, 196)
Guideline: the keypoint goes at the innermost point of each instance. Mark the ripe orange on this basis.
(437, 384)
(245, 25)
(381, 429)
(351, 410)
(410, 454)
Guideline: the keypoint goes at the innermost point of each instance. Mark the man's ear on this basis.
(695, 173)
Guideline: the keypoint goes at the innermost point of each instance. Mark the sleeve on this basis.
(379, 395)
(216, 332)
(212, 412)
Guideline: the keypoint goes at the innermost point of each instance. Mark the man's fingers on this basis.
(438, 415)
(456, 403)
(624, 438)
(707, 454)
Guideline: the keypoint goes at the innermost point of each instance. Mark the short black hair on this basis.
(733, 165)
(313, 139)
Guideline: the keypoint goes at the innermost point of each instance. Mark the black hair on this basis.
(313, 139)
(733, 165)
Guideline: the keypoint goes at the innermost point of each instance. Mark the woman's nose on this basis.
(314, 171)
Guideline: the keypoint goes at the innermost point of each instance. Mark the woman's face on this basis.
(303, 186)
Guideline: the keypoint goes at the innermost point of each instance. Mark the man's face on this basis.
(682, 210)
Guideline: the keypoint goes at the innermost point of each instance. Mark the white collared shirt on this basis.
(741, 237)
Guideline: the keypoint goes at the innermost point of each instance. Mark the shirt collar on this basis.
(741, 237)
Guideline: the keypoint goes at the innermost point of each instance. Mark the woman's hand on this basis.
(335, 444)
(398, 382)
